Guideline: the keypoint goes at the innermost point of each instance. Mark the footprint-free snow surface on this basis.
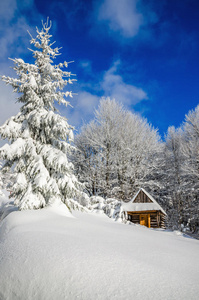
(49, 255)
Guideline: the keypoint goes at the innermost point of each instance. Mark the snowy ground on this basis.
(49, 255)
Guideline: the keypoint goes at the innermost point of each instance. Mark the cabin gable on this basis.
(142, 198)
(144, 210)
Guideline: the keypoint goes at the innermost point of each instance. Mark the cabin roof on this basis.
(134, 206)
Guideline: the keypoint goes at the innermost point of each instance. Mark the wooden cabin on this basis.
(144, 210)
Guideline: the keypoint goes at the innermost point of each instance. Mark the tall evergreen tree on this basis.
(39, 136)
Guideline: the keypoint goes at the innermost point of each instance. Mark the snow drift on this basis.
(47, 254)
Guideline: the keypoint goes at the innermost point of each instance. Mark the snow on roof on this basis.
(134, 206)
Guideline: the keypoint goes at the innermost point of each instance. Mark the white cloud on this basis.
(83, 109)
(8, 107)
(7, 9)
(121, 16)
(111, 85)
(14, 38)
(14, 41)
(86, 65)
(87, 101)
(114, 86)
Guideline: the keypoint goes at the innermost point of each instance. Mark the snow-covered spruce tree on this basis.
(6, 179)
(1, 183)
(39, 136)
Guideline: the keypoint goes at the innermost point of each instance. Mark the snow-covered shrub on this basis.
(96, 200)
(97, 204)
(6, 208)
(1, 187)
(84, 200)
(110, 206)
(75, 205)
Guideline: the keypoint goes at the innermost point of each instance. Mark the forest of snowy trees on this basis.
(113, 156)
(119, 152)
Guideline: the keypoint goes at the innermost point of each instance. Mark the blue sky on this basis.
(143, 53)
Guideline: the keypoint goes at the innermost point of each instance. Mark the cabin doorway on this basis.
(145, 220)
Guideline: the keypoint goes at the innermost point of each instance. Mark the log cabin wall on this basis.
(157, 218)
(163, 221)
(154, 220)
(135, 218)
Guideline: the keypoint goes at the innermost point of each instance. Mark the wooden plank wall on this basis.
(157, 219)
(135, 218)
(154, 222)
(142, 198)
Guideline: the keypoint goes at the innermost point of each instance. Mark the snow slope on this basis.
(49, 255)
